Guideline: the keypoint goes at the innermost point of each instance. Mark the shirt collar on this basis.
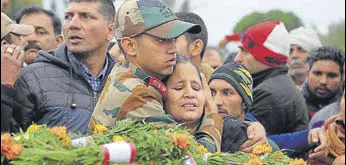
(85, 69)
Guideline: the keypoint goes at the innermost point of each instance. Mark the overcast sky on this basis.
(220, 16)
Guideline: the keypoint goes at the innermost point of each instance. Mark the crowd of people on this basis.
(143, 61)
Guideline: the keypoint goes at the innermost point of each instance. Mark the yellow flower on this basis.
(32, 128)
(253, 156)
(255, 161)
(60, 132)
(262, 149)
(66, 141)
(118, 138)
(202, 149)
(298, 162)
(155, 131)
(100, 129)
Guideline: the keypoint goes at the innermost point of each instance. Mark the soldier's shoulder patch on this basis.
(158, 85)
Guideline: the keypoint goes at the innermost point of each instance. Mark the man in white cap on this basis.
(302, 41)
(11, 62)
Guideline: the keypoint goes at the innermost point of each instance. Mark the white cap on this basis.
(306, 38)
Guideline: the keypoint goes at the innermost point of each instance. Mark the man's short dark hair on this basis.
(35, 9)
(196, 19)
(106, 8)
(327, 53)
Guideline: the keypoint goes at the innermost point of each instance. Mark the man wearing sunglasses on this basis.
(302, 40)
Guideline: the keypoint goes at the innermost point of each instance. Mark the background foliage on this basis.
(290, 19)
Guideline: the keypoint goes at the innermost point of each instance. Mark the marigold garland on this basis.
(167, 145)
(100, 129)
(32, 128)
(202, 149)
(181, 140)
(9, 148)
(255, 161)
(298, 162)
(61, 133)
(118, 138)
(262, 149)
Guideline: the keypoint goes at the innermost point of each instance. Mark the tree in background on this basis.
(335, 36)
(15, 5)
(290, 20)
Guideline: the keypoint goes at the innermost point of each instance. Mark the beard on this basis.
(323, 98)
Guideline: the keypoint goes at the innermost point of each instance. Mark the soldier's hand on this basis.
(11, 61)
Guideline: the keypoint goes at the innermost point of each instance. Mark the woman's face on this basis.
(185, 97)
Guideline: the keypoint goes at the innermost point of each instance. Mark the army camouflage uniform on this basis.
(130, 92)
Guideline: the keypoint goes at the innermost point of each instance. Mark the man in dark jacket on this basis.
(63, 89)
(277, 104)
(324, 81)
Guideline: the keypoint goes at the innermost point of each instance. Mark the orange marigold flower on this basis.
(298, 162)
(262, 149)
(60, 132)
(32, 128)
(255, 161)
(181, 140)
(100, 129)
(9, 148)
(118, 138)
(202, 149)
(6, 142)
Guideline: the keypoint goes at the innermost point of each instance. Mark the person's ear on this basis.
(196, 48)
(110, 35)
(130, 46)
(59, 39)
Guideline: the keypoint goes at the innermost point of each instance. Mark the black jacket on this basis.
(7, 97)
(234, 134)
(277, 103)
(55, 91)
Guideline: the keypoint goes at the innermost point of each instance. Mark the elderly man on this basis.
(302, 41)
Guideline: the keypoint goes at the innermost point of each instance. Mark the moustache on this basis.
(32, 45)
(296, 61)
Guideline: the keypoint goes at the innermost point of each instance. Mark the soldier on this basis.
(146, 31)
